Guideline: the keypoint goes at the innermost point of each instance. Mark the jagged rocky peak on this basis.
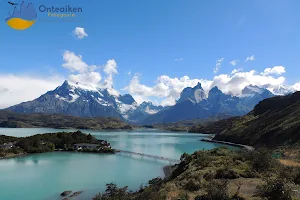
(198, 86)
(195, 94)
(126, 99)
(215, 96)
(215, 91)
(149, 105)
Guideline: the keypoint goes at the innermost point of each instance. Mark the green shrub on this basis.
(208, 176)
(216, 190)
(156, 181)
(260, 159)
(192, 185)
(297, 178)
(183, 196)
(248, 174)
(274, 190)
(225, 173)
(202, 159)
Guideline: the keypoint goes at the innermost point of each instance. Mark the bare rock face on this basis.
(195, 94)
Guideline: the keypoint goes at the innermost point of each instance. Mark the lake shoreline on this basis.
(248, 148)
(14, 156)
(56, 151)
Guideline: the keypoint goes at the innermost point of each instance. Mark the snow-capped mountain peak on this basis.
(252, 89)
(282, 90)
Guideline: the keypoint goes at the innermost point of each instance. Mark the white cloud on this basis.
(168, 89)
(79, 33)
(218, 65)
(90, 78)
(250, 58)
(2, 90)
(170, 101)
(74, 62)
(234, 62)
(236, 82)
(89, 75)
(110, 69)
(296, 86)
(80, 71)
(178, 59)
(24, 88)
(277, 70)
(236, 71)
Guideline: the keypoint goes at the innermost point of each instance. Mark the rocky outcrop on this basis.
(66, 193)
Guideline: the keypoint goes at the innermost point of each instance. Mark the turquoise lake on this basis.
(45, 176)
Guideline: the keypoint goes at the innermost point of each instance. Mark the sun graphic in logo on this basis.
(23, 19)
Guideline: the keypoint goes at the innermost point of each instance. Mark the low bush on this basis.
(225, 173)
(274, 189)
(192, 185)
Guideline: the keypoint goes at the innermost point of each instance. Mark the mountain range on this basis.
(80, 100)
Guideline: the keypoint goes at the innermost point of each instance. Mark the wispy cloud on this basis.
(79, 33)
(178, 59)
(128, 73)
(233, 62)
(236, 71)
(250, 58)
(218, 65)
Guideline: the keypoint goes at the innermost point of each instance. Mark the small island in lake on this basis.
(61, 141)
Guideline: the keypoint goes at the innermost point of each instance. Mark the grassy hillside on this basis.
(273, 122)
(16, 120)
(219, 174)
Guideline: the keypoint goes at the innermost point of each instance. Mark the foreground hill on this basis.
(273, 122)
(218, 174)
(16, 120)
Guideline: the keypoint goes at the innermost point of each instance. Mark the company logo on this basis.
(23, 19)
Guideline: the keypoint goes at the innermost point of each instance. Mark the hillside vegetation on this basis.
(15, 120)
(218, 174)
(48, 142)
(273, 122)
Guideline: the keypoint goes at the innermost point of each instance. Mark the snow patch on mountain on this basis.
(282, 90)
(151, 111)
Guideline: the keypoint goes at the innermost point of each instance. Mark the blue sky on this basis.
(153, 38)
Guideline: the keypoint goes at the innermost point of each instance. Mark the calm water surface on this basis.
(45, 176)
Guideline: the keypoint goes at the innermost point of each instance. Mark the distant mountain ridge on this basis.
(193, 104)
(80, 100)
(85, 101)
